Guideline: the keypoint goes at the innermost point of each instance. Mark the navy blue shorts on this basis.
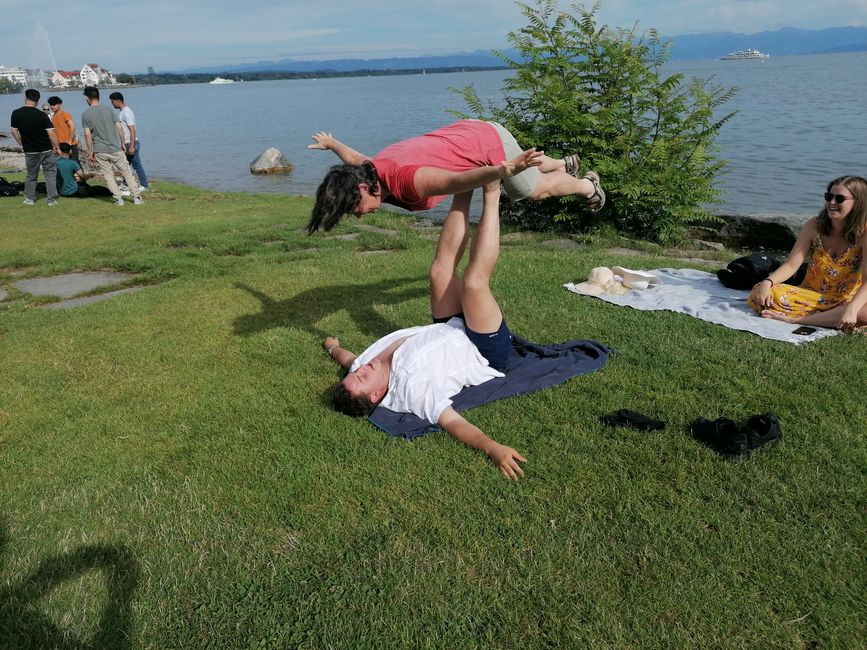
(494, 346)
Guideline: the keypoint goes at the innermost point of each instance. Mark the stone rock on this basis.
(565, 244)
(761, 231)
(3, 294)
(617, 250)
(712, 245)
(87, 300)
(12, 159)
(70, 284)
(271, 161)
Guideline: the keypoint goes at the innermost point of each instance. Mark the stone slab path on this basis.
(68, 285)
(76, 302)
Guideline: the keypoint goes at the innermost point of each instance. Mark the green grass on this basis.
(172, 476)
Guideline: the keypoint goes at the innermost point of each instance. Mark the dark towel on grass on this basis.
(531, 367)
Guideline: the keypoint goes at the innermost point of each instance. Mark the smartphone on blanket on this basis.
(804, 330)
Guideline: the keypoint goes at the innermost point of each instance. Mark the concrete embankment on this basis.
(11, 160)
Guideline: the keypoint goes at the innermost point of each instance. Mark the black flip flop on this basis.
(632, 420)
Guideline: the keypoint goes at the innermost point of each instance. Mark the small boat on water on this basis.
(219, 81)
(742, 55)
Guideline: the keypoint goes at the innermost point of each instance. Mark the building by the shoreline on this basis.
(90, 74)
(15, 75)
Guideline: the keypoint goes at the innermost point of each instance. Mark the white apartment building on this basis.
(15, 75)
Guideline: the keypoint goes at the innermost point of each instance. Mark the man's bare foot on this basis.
(770, 313)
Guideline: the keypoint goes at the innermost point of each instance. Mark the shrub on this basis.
(579, 88)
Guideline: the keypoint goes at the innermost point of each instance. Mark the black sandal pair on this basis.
(722, 435)
(731, 441)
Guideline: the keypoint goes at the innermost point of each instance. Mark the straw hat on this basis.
(601, 280)
(636, 279)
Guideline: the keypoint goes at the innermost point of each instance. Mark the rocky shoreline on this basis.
(11, 160)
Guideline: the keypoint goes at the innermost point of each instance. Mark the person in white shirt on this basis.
(419, 369)
(131, 145)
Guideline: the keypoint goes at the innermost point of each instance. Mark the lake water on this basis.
(802, 120)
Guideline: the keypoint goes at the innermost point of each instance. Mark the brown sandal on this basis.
(595, 201)
(573, 164)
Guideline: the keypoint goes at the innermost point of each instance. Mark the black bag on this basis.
(10, 188)
(744, 272)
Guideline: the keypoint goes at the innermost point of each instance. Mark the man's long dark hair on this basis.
(338, 194)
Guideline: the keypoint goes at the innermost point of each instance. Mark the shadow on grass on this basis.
(307, 308)
(22, 625)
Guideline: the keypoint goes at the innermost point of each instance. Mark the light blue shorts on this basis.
(520, 186)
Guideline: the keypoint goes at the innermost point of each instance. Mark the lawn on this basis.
(173, 477)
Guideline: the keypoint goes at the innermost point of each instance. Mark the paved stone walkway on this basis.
(76, 302)
(68, 285)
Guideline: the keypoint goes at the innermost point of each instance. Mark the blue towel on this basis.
(531, 367)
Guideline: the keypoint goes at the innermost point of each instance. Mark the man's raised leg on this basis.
(445, 285)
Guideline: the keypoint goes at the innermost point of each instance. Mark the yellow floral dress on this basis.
(830, 281)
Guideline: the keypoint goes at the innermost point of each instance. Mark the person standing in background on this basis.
(64, 126)
(104, 138)
(32, 129)
(130, 138)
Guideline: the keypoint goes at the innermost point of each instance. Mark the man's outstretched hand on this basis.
(521, 162)
(506, 459)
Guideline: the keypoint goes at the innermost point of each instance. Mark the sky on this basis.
(176, 34)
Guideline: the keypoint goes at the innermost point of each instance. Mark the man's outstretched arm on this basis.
(505, 458)
(341, 356)
(347, 154)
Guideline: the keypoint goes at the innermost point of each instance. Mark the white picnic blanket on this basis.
(701, 295)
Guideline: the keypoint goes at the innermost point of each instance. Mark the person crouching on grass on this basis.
(417, 370)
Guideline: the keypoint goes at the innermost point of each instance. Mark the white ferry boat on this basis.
(220, 80)
(741, 55)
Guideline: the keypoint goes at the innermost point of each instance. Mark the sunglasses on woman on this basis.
(836, 198)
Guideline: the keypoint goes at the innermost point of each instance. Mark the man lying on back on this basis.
(419, 369)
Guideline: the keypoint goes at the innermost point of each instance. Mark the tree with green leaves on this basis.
(603, 93)
(9, 87)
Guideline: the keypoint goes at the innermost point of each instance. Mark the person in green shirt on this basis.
(72, 179)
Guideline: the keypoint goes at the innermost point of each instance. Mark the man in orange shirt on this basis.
(64, 126)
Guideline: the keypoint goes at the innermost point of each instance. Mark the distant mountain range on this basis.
(786, 41)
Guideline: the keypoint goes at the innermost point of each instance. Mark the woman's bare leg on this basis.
(828, 318)
(552, 165)
(559, 183)
(445, 286)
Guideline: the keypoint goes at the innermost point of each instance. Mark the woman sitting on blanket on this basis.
(833, 293)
